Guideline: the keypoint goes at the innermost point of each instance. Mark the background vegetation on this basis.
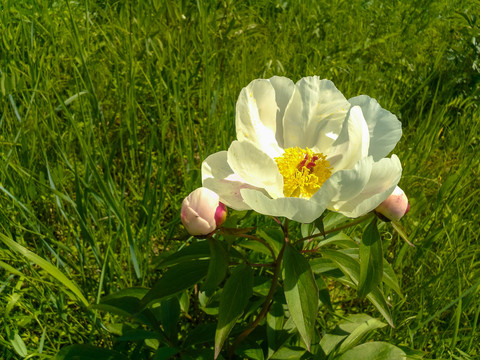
(107, 109)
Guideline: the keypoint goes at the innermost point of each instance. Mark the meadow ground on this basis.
(108, 108)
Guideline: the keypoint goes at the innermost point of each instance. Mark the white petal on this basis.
(317, 108)
(352, 143)
(345, 184)
(384, 178)
(297, 209)
(384, 127)
(283, 93)
(255, 167)
(220, 178)
(256, 116)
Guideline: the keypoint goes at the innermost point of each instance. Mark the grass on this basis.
(107, 110)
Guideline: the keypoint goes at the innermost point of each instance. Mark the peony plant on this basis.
(250, 286)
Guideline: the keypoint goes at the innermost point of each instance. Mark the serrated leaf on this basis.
(234, 299)
(371, 260)
(177, 278)
(375, 350)
(301, 293)
(217, 267)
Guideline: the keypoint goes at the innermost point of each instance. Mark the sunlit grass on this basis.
(108, 108)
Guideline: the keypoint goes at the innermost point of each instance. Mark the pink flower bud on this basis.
(395, 206)
(202, 212)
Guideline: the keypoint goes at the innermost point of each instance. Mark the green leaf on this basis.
(255, 246)
(301, 293)
(401, 231)
(202, 333)
(274, 237)
(217, 267)
(351, 268)
(195, 251)
(344, 328)
(390, 278)
(333, 220)
(360, 333)
(288, 353)
(371, 260)
(165, 353)
(374, 351)
(124, 302)
(11, 269)
(88, 352)
(322, 265)
(47, 266)
(177, 278)
(169, 314)
(262, 285)
(18, 344)
(346, 263)
(275, 332)
(138, 334)
(234, 299)
(308, 229)
(249, 350)
(320, 225)
(323, 293)
(340, 239)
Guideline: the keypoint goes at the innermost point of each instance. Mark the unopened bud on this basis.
(202, 212)
(394, 207)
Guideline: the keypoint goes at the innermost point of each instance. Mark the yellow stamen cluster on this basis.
(303, 171)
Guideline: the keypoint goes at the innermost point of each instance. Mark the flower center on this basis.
(303, 171)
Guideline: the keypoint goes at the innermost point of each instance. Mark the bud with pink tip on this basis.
(394, 207)
(202, 212)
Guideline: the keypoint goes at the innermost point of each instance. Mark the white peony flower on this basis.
(303, 148)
